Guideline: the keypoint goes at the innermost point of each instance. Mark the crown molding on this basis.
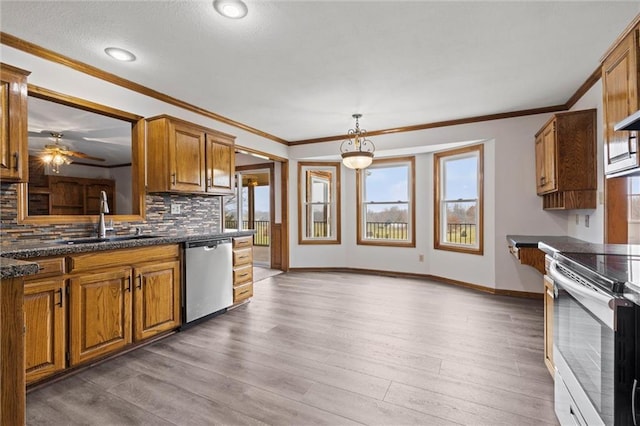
(31, 48)
(41, 52)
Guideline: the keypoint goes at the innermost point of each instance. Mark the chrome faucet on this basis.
(104, 208)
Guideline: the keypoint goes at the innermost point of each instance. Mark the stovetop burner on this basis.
(608, 271)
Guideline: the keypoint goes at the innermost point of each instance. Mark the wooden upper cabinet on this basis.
(184, 157)
(565, 150)
(620, 75)
(13, 124)
(220, 163)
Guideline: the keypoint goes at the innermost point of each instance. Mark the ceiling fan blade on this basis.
(83, 155)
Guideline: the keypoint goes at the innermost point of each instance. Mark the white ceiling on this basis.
(86, 132)
(299, 69)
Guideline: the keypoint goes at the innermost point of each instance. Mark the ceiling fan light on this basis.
(46, 158)
(59, 159)
(234, 9)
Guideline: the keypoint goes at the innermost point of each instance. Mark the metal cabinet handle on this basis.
(244, 275)
(173, 178)
(16, 158)
(243, 292)
(633, 401)
(61, 302)
(128, 284)
(209, 185)
(139, 278)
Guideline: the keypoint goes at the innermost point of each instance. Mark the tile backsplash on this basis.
(198, 214)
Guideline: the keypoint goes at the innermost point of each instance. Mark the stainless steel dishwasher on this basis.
(208, 286)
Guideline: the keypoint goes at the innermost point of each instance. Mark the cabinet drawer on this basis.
(242, 275)
(242, 257)
(49, 268)
(242, 292)
(242, 242)
(94, 260)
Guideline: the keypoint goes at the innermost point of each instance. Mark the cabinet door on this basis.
(540, 173)
(44, 317)
(13, 124)
(187, 159)
(220, 164)
(549, 142)
(157, 298)
(67, 196)
(100, 314)
(620, 99)
(548, 323)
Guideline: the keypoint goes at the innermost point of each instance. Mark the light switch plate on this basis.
(175, 208)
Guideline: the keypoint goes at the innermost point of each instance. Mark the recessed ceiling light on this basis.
(120, 54)
(234, 9)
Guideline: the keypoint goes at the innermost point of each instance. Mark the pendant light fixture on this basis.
(357, 151)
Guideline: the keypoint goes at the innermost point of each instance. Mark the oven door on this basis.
(584, 346)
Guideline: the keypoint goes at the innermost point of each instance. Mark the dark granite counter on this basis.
(10, 268)
(12, 252)
(532, 241)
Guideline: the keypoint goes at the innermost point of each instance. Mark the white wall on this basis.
(511, 206)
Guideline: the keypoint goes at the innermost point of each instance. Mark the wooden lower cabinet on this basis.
(157, 299)
(89, 305)
(242, 268)
(45, 331)
(548, 324)
(100, 314)
(122, 296)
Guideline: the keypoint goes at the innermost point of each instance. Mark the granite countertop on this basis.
(531, 241)
(10, 268)
(13, 254)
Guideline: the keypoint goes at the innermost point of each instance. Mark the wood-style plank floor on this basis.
(327, 348)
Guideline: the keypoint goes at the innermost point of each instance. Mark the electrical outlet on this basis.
(421, 258)
(175, 208)
(601, 197)
(586, 220)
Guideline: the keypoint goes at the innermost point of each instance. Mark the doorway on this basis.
(251, 207)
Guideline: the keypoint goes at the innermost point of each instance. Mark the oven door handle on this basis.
(633, 401)
(580, 289)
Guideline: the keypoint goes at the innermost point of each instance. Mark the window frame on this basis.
(410, 161)
(438, 241)
(303, 186)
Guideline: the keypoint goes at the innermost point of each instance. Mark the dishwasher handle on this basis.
(208, 244)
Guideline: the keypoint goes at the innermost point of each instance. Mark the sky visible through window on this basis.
(387, 184)
(390, 183)
(461, 178)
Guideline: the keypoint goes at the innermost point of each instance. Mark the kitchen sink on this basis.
(92, 240)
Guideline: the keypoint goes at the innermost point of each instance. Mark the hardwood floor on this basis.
(327, 348)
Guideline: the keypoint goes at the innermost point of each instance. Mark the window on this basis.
(458, 199)
(386, 211)
(319, 203)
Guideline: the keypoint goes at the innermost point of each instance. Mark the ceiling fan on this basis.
(57, 154)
